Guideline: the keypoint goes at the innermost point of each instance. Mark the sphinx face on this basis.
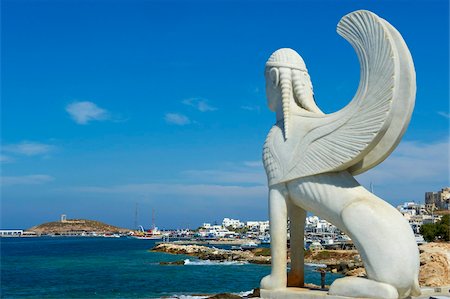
(273, 94)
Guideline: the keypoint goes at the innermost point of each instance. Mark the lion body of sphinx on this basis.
(381, 234)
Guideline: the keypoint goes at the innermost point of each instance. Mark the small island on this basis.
(76, 227)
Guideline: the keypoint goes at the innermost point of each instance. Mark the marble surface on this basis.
(310, 158)
(305, 293)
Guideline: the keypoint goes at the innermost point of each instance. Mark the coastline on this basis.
(335, 261)
(212, 254)
(434, 259)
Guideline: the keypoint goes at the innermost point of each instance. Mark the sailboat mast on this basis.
(136, 216)
(153, 218)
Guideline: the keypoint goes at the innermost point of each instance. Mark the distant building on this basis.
(11, 232)
(65, 220)
(234, 223)
(257, 226)
(314, 224)
(438, 200)
(417, 215)
(214, 231)
(412, 208)
(416, 221)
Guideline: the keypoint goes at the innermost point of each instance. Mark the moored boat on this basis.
(249, 245)
(152, 234)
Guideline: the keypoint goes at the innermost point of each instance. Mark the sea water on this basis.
(70, 267)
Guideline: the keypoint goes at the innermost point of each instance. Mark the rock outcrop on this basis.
(212, 254)
(343, 261)
(434, 264)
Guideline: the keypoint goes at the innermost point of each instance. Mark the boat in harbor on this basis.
(265, 239)
(151, 234)
(249, 245)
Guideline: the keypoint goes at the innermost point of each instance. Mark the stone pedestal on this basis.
(298, 293)
(304, 293)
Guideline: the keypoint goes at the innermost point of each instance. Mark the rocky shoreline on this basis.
(212, 254)
(434, 259)
(336, 261)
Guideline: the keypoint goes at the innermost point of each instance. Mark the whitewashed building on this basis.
(260, 226)
(11, 232)
(234, 223)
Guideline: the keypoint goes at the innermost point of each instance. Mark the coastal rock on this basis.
(255, 294)
(212, 254)
(337, 261)
(434, 264)
(358, 272)
(225, 296)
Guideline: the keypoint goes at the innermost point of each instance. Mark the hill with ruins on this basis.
(76, 225)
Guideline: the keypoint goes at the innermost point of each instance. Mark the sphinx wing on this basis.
(402, 108)
(342, 139)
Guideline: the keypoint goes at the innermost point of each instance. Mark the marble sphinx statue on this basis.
(311, 157)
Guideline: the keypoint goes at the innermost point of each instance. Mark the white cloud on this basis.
(412, 169)
(84, 112)
(35, 179)
(201, 190)
(413, 162)
(240, 181)
(177, 119)
(444, 114)
(257, 163)
(6, 159)
(226, 177)
(29, 148)
(244, 173)
(251, 108)
(200, 104)
(243, 183)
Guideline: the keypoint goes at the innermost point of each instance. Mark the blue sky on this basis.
(106, 104)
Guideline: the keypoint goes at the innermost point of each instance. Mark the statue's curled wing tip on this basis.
(343, 139)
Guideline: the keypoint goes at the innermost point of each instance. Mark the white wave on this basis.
(244, 294)
(186, 297)
(316, 265)
(188, 262)
(175, 296)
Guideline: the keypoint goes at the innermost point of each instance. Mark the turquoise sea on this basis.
(69, 267)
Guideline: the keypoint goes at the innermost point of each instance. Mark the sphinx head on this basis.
(288, 82)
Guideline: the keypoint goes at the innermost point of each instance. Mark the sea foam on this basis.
(188, 262)
(316, 265)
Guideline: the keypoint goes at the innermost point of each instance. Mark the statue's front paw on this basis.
(271, 282)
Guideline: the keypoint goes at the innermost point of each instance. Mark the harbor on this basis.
(224, 250)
